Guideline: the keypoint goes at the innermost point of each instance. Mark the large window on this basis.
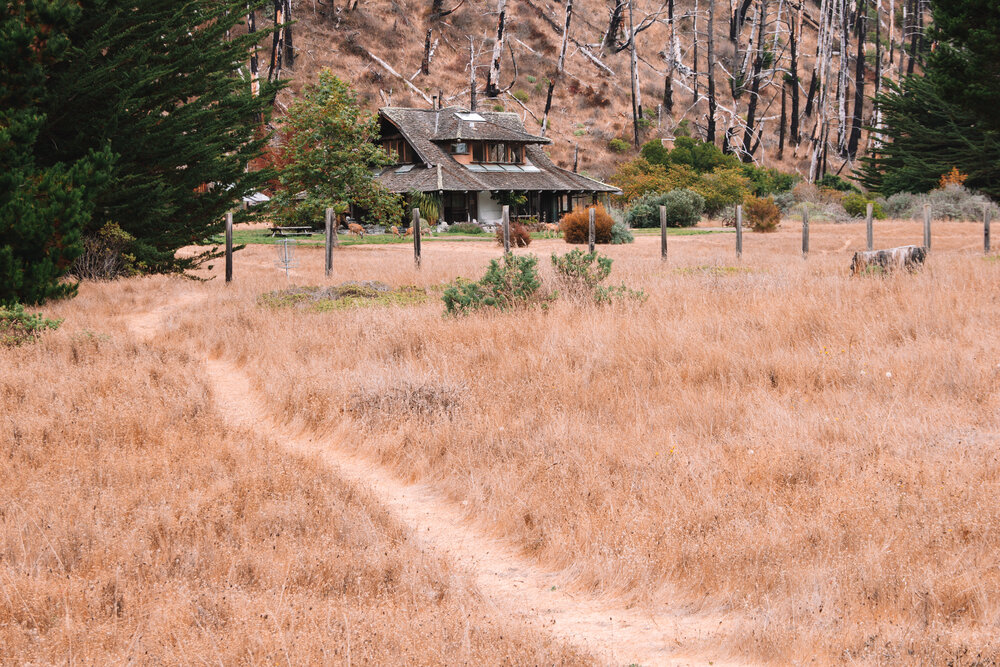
(497, 152)
(399, 148)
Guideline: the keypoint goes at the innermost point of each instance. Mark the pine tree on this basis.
(42, 208)
(158, 83)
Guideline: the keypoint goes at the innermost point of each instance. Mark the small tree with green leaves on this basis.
(330, 153)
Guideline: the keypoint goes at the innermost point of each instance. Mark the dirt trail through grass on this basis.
(511, 582)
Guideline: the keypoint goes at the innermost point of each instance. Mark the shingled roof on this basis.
(430, 131)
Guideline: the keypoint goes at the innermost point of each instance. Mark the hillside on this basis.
(592, 103)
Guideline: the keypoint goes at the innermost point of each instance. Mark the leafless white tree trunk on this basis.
(493, 77)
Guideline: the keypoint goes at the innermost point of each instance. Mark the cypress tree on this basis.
(42, 207)
(158, 82)
(950, 115)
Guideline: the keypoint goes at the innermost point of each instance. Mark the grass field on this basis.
(810, 455)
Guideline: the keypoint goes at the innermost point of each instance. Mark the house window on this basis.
(460, 149)
(399, 149)
(497, 152)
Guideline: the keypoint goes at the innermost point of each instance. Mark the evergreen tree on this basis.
(948, 117)
(330, 154)
(42, 208)
(158, 82)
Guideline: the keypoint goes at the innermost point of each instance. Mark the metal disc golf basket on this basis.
(287, 258)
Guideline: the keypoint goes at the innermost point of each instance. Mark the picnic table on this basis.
(291, 231)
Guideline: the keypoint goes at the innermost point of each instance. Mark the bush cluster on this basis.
(508, 283)
(856, 205)
(620, 234)
(520, 237)
(762, 214)
(18, 326)
(581, 274)
(619, 145)
(683, 207)
(465, 228)
(575, 225)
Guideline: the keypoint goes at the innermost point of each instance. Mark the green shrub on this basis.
(105, 255)
(18, 326)
(834, 182)
(620, 234)
(522, 95)
(726, 187)
(508, 283)
(520, 237)
(575, 225)
(619, 145)
(581, 274)
(856, 205)
(767, 181)
(465, 228)
(684, 209)
(762, 215)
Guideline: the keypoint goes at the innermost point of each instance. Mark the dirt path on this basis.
(612, 634)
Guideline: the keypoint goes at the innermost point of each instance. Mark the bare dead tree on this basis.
(712, 102)
(634, 68)
(493, 76)
(281, 39)
(758, 66)
(795, 28)
(861, 28)
(425, 64)
(614, 24)
(559, 66)
(695, 39)
(472, 75)
(821, 129)
(842, 77)
(672, 56)
(783, 122)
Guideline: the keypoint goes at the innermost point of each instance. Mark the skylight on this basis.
(404, 169)
(471, 117)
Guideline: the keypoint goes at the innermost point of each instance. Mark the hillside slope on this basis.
(592, 103)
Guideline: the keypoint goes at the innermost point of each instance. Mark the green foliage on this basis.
(683, 128)
(509, 283)
(762, 215)
(856, 206)
(18, 326)
(699, 155)
(465, 228)
(353, 294)
(834, 182)
(619, 145)
(45, 201)
(947, 117)
(581, 275)
(620, 234)
(105, 255)
(162, 87)
(512, 198)
(683, 207)
(428, 204)
(639, 177)
(521, 95)
(726, 187)
(330, 154)
(766, 181)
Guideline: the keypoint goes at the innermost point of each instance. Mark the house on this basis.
(471, 160)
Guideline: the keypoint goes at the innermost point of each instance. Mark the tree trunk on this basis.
(636, 88)
(614, 24)
(425, 65)
(758, 66)
(794, 74)
(493, 76)
(914, 31)
(821, 131)
(559, 67)
(842, 80)
(668, 87)
(710, 130)
(784, 121)
(254, 65)
(861, 27)
(472, 75)
(695, 39)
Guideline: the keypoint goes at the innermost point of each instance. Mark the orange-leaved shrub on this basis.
(762, 215)
(575, 225)
(520, 237)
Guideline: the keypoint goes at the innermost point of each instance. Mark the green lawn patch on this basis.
(354, 294)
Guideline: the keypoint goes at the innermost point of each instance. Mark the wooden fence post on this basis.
(229, 247)
(869, 230)
(663, 233)
(416, 237)
(506, 229)
(739, 232)
(986, 229)
(805, 233)
(927, 226)
(591, 230)
(329, 242)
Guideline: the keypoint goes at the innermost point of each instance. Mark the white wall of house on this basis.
(489, 210)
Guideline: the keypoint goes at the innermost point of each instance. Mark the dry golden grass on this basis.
(135, 527)
(813, 452)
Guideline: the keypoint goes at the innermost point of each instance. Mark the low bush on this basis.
(620, 234)
(465, 228)
(834, 182)
(684, 209)
(508, 283)
(901, 205)
(520, 237)
(785, 201)
(581, 274)
(18, 326)
(762, 214)
(856, 206)
(619, 145)
(766, 181)
(105, 255)
(955, 202)
(721, 189)
(575, 225)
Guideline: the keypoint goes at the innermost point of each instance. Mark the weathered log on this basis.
(909, 257)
